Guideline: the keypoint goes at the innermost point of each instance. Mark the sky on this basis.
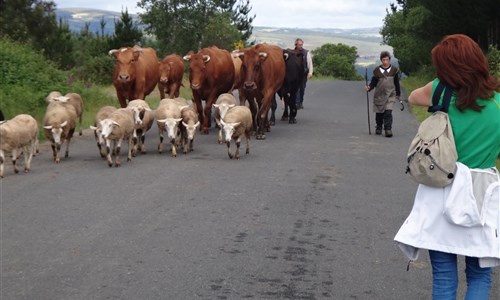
(345, 14)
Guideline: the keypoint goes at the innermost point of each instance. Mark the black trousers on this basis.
(384, 119)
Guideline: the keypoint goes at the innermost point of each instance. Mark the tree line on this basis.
(414, 27)
(411, 27)
(171, 26)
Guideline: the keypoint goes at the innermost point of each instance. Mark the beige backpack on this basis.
(432, 155)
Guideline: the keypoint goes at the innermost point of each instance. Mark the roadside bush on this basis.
(97, 69)
(494, 60)
(25, 79)
(337, 61)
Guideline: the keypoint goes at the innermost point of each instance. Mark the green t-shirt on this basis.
(476, 133)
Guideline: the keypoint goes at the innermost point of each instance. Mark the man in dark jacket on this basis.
(308, 71)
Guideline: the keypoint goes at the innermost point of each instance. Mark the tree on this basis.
(34, 22)
(220, 32)
(413, 27)
(336, 61)
(127, 32)
(182, 25)
(407, 31)
(243, 20)
(61, 47)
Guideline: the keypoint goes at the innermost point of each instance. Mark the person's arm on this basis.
(309, 65)
(421, 96)
(397, 86)
(372, 85)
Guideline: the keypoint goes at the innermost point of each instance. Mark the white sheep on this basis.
(168, 116)
(190, 122)
(222, 105)
(19, 134)
(145, 114)
(59, 126)
(71, 98)
(237, 122)
(103, 113)
(119, 126)
(181, 102)
(52, 96)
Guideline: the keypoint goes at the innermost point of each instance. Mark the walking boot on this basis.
(388, 123)
(379, 120)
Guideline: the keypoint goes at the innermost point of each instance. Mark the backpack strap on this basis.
(437, 95)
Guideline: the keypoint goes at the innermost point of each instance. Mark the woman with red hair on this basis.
(462, 218)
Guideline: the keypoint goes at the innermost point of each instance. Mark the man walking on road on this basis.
(386, 82)
(308, 71)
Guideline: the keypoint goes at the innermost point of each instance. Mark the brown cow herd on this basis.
(257, 73)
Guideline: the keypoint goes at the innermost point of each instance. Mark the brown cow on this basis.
(171, 74)
(238, 76)
(136, 73)
(263, 69)
(211, 73)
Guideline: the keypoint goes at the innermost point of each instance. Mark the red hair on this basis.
(461, 64)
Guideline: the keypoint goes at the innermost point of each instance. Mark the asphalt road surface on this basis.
(310, 213)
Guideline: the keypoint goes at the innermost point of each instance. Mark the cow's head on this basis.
(126, 58)
(56, 131)
(251, 64)
(165, 69)
(197, 68)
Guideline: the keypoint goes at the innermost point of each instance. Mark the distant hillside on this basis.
(77, 17)
(366, 40)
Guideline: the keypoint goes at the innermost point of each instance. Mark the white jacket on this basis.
(462, 218)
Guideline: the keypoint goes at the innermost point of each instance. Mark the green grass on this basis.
(411, 83)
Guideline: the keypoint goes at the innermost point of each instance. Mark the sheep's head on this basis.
(56, 131)
(223, 108)
(172, 127)
(190, 129)
(98, 133)
(107, 126)
(139, 112)
(228, 129)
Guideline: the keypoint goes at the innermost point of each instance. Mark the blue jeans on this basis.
(299, 98)
(445, 277)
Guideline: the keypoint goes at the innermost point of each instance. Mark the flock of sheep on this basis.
(176, 119)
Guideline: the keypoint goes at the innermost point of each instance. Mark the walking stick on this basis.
(368, 103)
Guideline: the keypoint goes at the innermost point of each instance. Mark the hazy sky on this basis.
(282, 13)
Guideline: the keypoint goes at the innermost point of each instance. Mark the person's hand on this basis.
(367, 88)
(309, 76)
(400, 102)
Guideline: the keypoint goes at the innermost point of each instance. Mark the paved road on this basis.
(309, 214)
